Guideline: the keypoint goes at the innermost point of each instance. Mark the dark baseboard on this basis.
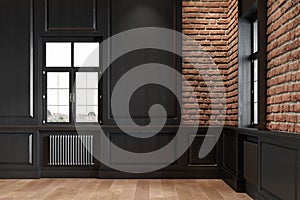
(69, 173)
(22, 174)
(207, 173)
(251, 190)
(211, 173)
(234, 182)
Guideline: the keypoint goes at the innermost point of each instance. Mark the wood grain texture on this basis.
(155, 189)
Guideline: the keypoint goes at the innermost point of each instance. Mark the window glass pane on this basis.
(255, 91)
(87, 113)
(81, 114)
(86, 54)
(87, 80)
(81, 80)
(81, 97)
(92, 80)
(255, 80)
(58, 54)
(86, 96)
(58, 97)
(255, 36)
(255, 113)
(92, 96)
(52, 80)
(52, 96)
(58, 80)
(92, 113)
(255, 70)
(58, 114)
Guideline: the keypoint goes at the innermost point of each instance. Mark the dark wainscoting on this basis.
(264, 164)
(267, 164)
(18, 154)
(231, 168)
(14, 159)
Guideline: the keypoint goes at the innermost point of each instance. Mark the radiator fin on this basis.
(71, 150)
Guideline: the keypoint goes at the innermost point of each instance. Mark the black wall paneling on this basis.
(232, 165)
(250, 162)
(180, 168)
(209, 160)
(230, 151)
(76, 15)
(16, 149)
(273, 158)
(187, 166)
(18, 154)
(71, 17)
(137, 145)
(126, 15)
(279, 169)
(16, 53)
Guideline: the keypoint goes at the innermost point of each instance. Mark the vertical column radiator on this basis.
(71, 150)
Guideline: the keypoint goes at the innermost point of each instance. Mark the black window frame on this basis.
(248, 9)
(253, 57)
(72, 77)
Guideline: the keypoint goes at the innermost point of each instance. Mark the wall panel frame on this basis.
(17, 58)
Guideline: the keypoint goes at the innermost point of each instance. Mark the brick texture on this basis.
(283, 75)
(232, 72)
(213, 24)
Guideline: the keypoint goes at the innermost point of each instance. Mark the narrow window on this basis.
(254, 74)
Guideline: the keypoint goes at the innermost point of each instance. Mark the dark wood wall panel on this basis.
(250, 162)
(139, 145)
(194, 159)
(76, 15)
(15, 55)
(126, 15)
(230, 151)
(131, 14)
(279, 171)
(16, 148)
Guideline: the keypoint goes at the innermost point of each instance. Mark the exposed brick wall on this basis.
(283, 54)
(232, 72)
(213, 24)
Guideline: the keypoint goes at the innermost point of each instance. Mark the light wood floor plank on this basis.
(142, 190)
(82, 189)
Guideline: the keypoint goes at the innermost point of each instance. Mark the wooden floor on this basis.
(83, 189)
